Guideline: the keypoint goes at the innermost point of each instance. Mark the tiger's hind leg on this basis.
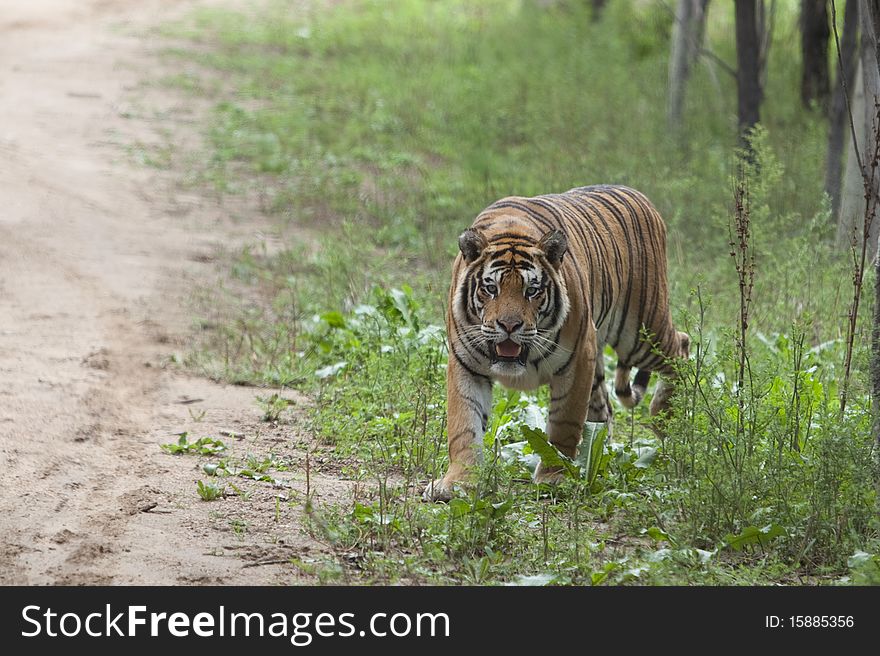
(666, 387)
(599, 409)
(630, 395)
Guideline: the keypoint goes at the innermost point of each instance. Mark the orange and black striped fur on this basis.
(540, 286)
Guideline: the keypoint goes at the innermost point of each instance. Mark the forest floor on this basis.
(100, 260)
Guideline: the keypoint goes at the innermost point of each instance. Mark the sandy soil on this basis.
(98, 261)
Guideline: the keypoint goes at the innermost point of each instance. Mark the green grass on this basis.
(382, 133)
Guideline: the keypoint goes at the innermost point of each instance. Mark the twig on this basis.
(187, 401)
(273, 561)
(852, 127)
(727, 68)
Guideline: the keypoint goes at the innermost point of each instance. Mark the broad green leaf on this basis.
(635, 572)
(754, 535)
(515, 452)
(705, 556)
(333, 319)
(590, 453)
(364, 309)
(860, 558)
(535, 416)
(330, 370)
(647, 456)
(597, 578)
(550, 455)
(432, 333)
(459, 507)
(363, 513)
(512, 452)
(659, 555)
(657, 534)
(403, 302)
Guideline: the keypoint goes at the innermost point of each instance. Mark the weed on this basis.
(865, 568)
(205, 446)
(273, 406)
(210, 491)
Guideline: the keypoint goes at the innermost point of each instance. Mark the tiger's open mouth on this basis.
(508, 351)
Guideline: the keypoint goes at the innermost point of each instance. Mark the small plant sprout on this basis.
(205, 446)
(273, 406)
(210, 491)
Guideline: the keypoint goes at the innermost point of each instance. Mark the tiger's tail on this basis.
(630, 395)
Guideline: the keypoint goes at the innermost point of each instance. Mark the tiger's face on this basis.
(515, 297)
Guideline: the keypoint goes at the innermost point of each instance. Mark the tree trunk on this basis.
(870, 19)
(688, 29)
(871, 79)
(875, 375)
(852, 193)
(838, 132)
(852, 201)
(815, 82)
(766, 22)
(869, 14)
(598, 7)
(748, 74)
(851, 218)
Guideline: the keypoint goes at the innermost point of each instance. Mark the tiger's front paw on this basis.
(549, 475)
(440, 490)
(443, 489)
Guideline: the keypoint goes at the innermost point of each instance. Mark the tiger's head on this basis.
(514, 297)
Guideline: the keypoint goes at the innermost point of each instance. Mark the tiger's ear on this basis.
(471, 244)
(554, 244)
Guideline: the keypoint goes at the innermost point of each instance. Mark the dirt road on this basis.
(98, 259)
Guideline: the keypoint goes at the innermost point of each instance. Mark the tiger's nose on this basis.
(508, 325)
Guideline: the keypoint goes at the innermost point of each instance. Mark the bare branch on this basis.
(727, 68)
(697, 48)
(842, 74)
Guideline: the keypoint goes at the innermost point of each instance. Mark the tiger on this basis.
(541, 284)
